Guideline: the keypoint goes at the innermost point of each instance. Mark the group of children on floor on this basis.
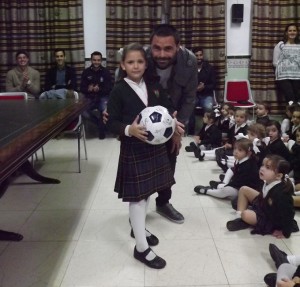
(261, 164)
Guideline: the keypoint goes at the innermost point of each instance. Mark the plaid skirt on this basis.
(143, 169)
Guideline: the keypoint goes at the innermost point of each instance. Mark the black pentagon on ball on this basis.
(150, 136)
(155, 117)
(168, 132)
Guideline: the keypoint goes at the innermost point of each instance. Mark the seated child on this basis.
(240, 126)
(209, 136)
(286, 122)
(295, 124)
(295, 161)
(272, 209)
(245, 172)
(262, 113)
(224, 122)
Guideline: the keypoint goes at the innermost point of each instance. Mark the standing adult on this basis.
(205, 88)
(23, 78)
(287, 67)
(61, 76)
(176, 67)
(96, 84)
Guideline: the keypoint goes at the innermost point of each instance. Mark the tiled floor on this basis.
(76, 234)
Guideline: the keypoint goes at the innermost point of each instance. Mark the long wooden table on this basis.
(25, 126)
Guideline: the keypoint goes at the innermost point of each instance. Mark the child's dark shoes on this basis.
(156, 263)
(152, 240)
(200, 189)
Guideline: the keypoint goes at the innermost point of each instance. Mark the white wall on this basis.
(94, 21)
(238, 35)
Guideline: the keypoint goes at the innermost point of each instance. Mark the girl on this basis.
(143, 168)
(227, 110)
(209, 136)
(272, 209)
(274, 144)
(262, 113)
(245, 172)
(283, 57)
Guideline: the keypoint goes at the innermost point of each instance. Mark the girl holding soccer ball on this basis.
(143, 169)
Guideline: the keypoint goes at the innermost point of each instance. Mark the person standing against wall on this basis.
(286, 62)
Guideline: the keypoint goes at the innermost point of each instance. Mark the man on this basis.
(23, 78)
(177, 69)
(96, 84)
(206, 86)
(61, 76)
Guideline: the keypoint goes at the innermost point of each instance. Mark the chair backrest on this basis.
(13, 96)
(237, 90)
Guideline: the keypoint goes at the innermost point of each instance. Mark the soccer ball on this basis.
(159, 124)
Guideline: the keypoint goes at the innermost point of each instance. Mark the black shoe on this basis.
(170, 213)
(189, 149)
(237, 224)
(278, 256)
(221, 177)
(270, 279)
(101, 135)
(152, 239)
(156, 263)
(214, 184)
(10, 236)
(200, 189)
(201, 157)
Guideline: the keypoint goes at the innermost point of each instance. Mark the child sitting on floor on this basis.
(245, 172)
(272, 210)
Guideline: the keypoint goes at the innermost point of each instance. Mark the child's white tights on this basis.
(137, 215)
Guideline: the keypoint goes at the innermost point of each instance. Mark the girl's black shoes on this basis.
(152, 239)
(156, 263)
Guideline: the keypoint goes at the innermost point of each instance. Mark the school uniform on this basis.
(246, 173)
(292, 132)
(143, 168)
(210, 136)
(295, 162)
(223, 125)
(263, 120)
(278, 147)
(274, 210)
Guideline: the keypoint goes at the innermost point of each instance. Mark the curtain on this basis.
(268, 23)
(202, 23)
(39, 27)
(127, 22)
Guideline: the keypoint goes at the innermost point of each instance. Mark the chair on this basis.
(13, 96)
(238, 94)
(77, 128)
(20, 96)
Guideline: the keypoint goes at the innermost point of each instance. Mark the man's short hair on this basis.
(59, 50)
(197, 49)
(165, 30)
(22, 52)
(96, 53)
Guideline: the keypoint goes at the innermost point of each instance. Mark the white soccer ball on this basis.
(159, 124)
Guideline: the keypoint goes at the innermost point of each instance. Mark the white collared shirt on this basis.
(266, 188)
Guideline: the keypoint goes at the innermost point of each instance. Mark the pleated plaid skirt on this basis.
(143, 169)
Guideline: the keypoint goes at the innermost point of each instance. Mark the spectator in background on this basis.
(23, 78)
(96, 84)
(286, 63)
(205, 88)
(61, 77)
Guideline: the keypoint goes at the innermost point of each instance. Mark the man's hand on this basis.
(137, 130)
(105, 117)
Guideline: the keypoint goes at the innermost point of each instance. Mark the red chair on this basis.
(13, 96)
(238, 94)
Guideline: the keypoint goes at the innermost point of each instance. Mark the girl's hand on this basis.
(179, 127)
(284, 282)
(137, 130)
(278, 234)
(197, 139)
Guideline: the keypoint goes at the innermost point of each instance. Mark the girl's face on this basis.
(225, 111)
(251, 136)
(240, 118)
(292, 33)
(134, 65)
(267, 173)
(272, 132)
(296, 118)
(239, 153)
(261, 110)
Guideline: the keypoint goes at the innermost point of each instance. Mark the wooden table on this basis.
(25, 126)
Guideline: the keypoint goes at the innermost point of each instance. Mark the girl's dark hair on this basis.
(285, 38)
(280, 165)
(265, 104)
(211, 115)
(244, 144)
(129, 48)
(276, 124)
(257, 129)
